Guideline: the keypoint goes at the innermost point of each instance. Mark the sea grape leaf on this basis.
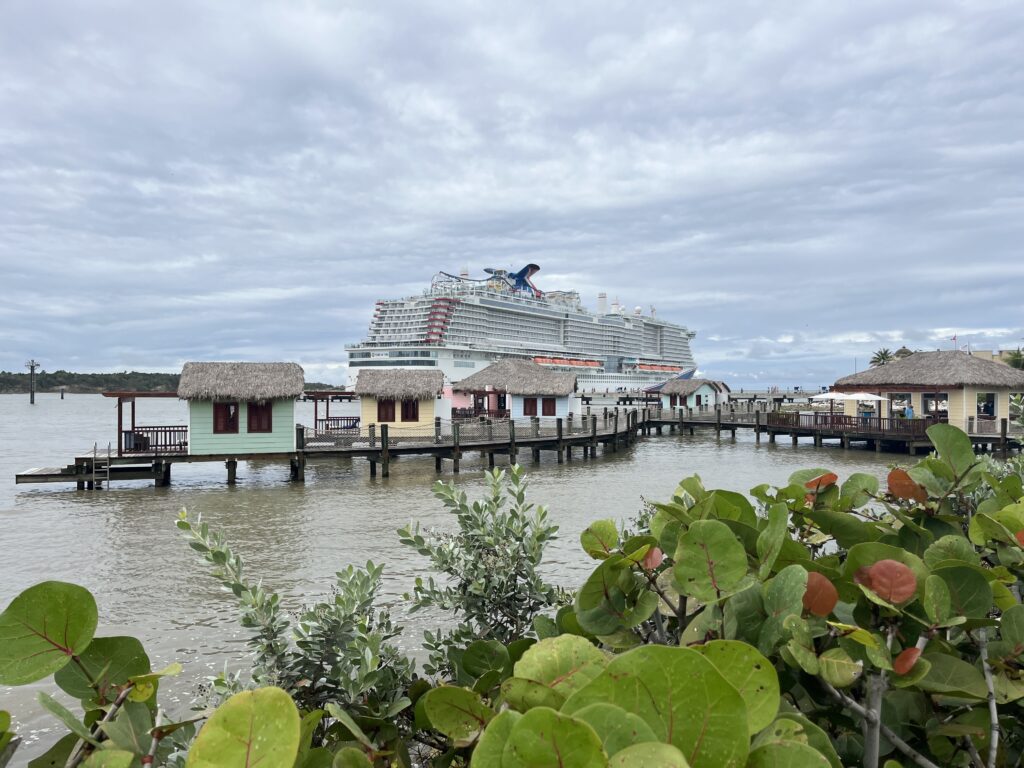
(109, 758)
(948, 674)
(600, 539)
(681, 695)
(482, 656)
(523, 695)
(938, 602)
(791, 726)
(492, 742)
(954, 448)
(649, 755)
(838, 668)
(710, 562)
(565, 663)
(783, 597)
(951, 547)
(65, 715)
(42, 629)
(110, 661)
(751, 674)
(351, 757)
(969, 591)
(130, 730)
(1011, 625)
(858, 490)
(616, 728)
(458, 713)
(544, 738)
(769, 542)
(601, 604)
(259, 727)
(787, 754)
(57, 755)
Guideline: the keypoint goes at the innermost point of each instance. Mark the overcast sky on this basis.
(800, 185)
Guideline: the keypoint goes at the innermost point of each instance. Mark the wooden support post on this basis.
(437, 463)
(757, 426)
(232, 466)
(878, 446)
(373, 437)
(615, 432)
(718, 421)
(845, 441)
(558, 434)
(456, 451)
(164, 470)
(373, 467)
(1003, 427)
(385, 452)
(300, 437)
(490, 435)
(511, 442)
(437, 429)
(771, 437)
(535, 452)
(593, 436)
(793, 435)
(568, 452)
(535, 423)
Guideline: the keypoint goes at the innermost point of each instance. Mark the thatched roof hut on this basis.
(687, 387)
(935, 369)
(519, 377)
(399, 384)
(240, 381)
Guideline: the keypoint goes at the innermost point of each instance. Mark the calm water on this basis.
(122, 543)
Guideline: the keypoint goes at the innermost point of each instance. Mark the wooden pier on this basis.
(609, 429)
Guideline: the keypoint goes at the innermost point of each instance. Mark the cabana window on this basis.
(548, 406)
(385, 410)
(225, 418)
(260, 416)
(410, 410)
(529, 406)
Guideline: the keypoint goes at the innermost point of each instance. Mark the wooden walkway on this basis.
(609, 429)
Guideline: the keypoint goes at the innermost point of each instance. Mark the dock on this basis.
(148, 453)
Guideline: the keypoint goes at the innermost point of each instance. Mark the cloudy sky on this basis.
(801, 183)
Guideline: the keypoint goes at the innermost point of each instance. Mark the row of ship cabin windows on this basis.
(225, 417)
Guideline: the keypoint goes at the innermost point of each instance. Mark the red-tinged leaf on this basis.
(1019, 536)
(653, 559)
(905, 662)
(892, 581)
(902, 486)
(809, 499)
(863, 576)
(821, 595)
(821, 482)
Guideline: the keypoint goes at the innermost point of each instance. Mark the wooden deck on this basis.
(608, 429)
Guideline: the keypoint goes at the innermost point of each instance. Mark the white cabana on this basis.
(865, 396)
(831, 396)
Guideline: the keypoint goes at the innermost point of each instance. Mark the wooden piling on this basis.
(615, 432)
(558, 437)
(232, 466)
(511, 442)
(1003, 428)
(757, 426)
(456, 451)
(385, 452)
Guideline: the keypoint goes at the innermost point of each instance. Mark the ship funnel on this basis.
(602, 303)
(464, 272)
(638, 311)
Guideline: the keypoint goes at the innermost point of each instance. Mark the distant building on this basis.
(240, 408)
(957, 387)
(691, 393)
(516, 388)
(406, 400)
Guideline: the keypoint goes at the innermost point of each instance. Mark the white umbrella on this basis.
(866, 396)
(831, 396)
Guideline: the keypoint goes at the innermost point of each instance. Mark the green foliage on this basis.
(337, 651)
(491, 584)
(251, 728)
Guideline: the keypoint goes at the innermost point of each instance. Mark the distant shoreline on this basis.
(96, 383)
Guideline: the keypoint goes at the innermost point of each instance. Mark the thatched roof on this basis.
(936, 369)
(519, 377)
(399, 384)
(686, 387)
(240, 381)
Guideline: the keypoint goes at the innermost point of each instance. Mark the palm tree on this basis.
(1016, 358)
(882, 356)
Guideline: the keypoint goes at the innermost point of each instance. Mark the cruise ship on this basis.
(461, 325)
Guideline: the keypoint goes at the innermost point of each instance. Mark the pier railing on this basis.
(442, 432)
(150, 440)
(337, 423)
(866, 425)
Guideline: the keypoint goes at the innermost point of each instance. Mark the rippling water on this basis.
(122, 544)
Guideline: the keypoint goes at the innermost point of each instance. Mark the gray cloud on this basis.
(801, 184)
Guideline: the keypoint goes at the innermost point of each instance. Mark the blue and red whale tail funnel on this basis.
(521, 279)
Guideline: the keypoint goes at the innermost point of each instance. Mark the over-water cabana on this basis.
(969, 392)
(241, 408)
(517, 388)
(406, 400)
(690, 393)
